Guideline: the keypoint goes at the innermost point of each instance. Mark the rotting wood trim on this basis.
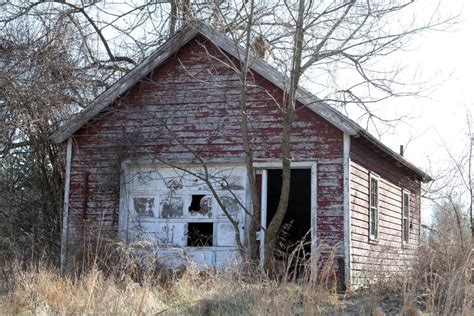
(123, 202)
(305, 164)
(263, 214)
(67, 183)
(314, 221)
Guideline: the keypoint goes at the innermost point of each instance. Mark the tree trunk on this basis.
(271, 234)
(255, 218)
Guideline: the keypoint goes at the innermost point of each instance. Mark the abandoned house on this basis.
(135, 156)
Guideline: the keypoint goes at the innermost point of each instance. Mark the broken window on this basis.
(176, 208)
(143, 206)
(200, 234)
(200, 205)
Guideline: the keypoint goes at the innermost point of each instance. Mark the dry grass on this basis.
(436, 285)
(41, 290)
(131, 280)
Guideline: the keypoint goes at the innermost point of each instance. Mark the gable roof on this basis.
(181, 38)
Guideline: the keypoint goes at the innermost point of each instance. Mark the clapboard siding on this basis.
(197, 98)
(372, 259)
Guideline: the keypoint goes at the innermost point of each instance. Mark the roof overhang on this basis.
(423, 176)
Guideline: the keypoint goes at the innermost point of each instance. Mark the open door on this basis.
(300, 220)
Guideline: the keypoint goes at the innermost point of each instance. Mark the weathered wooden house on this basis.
(134, 160)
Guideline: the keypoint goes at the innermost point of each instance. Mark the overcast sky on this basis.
(446, 59)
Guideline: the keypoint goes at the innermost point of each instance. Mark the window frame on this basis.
(407, 218)
(374, 236)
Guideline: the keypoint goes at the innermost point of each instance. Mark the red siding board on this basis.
(200, 104)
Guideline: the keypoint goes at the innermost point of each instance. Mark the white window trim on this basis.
(406, 192)
(375, 177)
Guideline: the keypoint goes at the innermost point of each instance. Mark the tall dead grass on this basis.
(41, 290)
(137, 283)
(435, 282)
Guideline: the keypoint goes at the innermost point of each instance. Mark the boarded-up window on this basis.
(406, 217)
(374, 208)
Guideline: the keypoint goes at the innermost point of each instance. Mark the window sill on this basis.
(373, 241)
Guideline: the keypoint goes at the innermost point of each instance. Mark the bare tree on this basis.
(308, 39)
(333, 34)
(42, 82)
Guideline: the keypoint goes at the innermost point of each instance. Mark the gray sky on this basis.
(446, 61)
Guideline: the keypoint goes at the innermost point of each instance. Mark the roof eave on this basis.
(425, 178)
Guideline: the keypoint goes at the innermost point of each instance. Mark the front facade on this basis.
(159, 156)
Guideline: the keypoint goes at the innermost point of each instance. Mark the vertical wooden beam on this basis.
(67, 184)
(263, 215)
(347, 210)
(124, 202)
(314, 221)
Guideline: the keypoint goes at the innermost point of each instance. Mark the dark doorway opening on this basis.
(297, 222)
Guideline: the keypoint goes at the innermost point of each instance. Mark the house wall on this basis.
(373, 259)
(191, 104)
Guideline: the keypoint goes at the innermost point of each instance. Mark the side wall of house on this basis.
(190, 105)
(370, 259)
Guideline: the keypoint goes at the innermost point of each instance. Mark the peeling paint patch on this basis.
(143, 206)
(172, 207)
(170, 234)
(232, 206)
(232, 183)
